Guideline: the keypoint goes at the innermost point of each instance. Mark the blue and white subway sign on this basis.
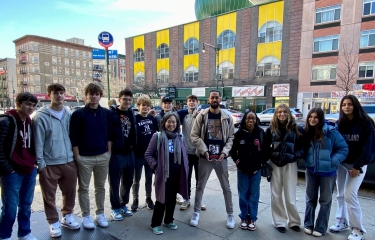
(100, 54)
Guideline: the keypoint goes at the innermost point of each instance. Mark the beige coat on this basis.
(199, 130)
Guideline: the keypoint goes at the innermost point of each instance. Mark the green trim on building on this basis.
(210, 8)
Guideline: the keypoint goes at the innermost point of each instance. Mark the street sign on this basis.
(100, 54)
(98, 61)
(105, 39)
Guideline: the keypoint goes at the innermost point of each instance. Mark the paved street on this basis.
(212, 224)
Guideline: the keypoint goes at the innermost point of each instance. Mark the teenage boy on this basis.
(17, 167)
(187, 117)
(54, 156)
(146, 127)
(205, 122)
(90, 134)
(121, 165)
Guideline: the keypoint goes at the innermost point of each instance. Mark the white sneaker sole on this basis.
(70, 227)
(56, 235)
(88, 228)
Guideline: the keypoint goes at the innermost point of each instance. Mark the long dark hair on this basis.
(358, 112)
(243, 121)
(316, 132)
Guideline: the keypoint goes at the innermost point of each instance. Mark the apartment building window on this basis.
(162, 51)
(66, 51)
(226, 39)
(77, 53)
(67, 81)
(36, 68)
(59, 60)
(72, 72)
(54, 60)
(191, 74)
(60, 71)
(368, 38)
(61, 81)
(78, 73)
(55, 80)
(324, 72)
(53, 49)
(72, 62)
(163, 76)
(66, 61)
(226, 69)
(328, 14)
(37, 90)
(31, 80)
(90, 65)
(35, 58)
(139, 55)
(270, 32)
(268, 66)
(84, 73)
(36, 47)
(366, 70)
(72, 52)
(89, 55)
(84, 54)
(326, 43)
(67, 72)
(37, 79)
(54, 70)
(191, 46)
(368, 7)
(78, 64)
(84, 64)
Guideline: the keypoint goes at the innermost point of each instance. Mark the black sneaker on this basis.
(281, 229)
(149, 203)
(134, 206)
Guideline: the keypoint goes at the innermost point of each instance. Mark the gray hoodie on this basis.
(52, 142)
(186, 131)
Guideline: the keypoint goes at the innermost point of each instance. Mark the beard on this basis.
(214, 105)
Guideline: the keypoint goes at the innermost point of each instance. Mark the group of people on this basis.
(115, 143)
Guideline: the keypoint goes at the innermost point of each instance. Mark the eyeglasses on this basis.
(127, 99)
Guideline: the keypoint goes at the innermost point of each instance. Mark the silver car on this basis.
(236, 116)
(266, 115)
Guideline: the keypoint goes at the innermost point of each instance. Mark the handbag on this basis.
(266, 171)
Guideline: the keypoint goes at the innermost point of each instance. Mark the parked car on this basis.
(157, 109)
(206, 105)
(76, 107)
(370, 173)
(236, 116)
(266, 115)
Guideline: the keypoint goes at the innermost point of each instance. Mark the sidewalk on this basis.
(212, 224)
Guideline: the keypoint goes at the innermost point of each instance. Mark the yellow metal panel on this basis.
(162, 37)
(139, 66)
(271, 12)
(226, 22)
(139, 42)
(192, 59)
(227, 55)
(162, 63)
(269, 49)
(191, 30)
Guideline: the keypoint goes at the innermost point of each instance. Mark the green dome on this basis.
(209, 8)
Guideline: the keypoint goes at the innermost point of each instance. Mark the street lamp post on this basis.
(217, 61)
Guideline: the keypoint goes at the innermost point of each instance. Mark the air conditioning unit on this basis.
(184, 79)
(259, 73)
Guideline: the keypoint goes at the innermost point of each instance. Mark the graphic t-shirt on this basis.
(172, 166)
(126, 120)
(214, 136)
(146, 127)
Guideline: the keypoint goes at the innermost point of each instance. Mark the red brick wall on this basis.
(129, 61)
(295, 37)
(173, 55)
(245, 44)
(206, 38)
(148, 58)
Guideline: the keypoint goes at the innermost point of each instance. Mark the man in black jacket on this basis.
(17, 167)
(91, 137)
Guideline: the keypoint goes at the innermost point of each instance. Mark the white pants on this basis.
(284, 178)
(347, 197)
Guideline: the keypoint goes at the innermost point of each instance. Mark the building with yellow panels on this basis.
(248, 54)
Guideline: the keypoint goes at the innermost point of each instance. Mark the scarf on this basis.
(176, 147)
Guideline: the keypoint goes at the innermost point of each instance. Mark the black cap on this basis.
(167, 99)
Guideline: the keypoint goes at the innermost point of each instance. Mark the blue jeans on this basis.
(248, 194)
(139, 163)
(315, 184)
(16, 191)
(121, 169)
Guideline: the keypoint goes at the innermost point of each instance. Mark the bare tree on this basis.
(347, 70)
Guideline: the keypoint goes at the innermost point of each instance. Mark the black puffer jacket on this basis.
(8, 138)
(287, 149)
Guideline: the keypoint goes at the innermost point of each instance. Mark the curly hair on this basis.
(55, 87)
(93, 88)
(144, 100)
(125, 92)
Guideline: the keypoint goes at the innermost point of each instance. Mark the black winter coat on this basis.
(288, 149)
(250, 149)
(8, 138)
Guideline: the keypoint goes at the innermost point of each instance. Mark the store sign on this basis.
(358, 94)
(199, 92)
(150, 94)
(280, 90)
(45, 97)
(167, 91)
(251, 91)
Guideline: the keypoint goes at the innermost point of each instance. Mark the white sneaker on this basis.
(356, 234)
(88, 223)
(195, 219)
(185, 205)
(339, 226)
(179, 199)
(55, 229)
(102, 222)
(69, 222)
(230, 221)
(317, 234)
(203, 207)
(27, 237)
